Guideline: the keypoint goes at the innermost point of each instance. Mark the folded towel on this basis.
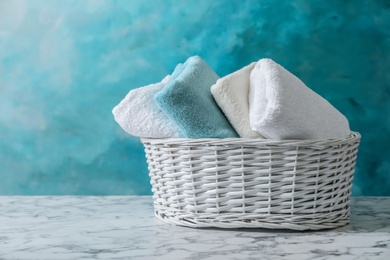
(139, 115)
(281, 106)
(186, 99)
(231, 94)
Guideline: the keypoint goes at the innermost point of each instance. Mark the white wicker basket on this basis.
(252, 183)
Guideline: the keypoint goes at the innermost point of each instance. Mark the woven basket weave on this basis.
(252, 183)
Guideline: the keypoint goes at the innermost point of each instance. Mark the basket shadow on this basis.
(271, 231)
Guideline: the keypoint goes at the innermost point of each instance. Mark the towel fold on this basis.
(231, 94)
(139, 115)
(186, 99)
(281, 106)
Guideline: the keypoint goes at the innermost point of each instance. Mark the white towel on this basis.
(231, 94)
(138, 114)
(281, 106)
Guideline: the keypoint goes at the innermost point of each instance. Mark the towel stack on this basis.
(261, 100)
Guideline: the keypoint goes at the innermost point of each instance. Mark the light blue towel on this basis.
(186, 99)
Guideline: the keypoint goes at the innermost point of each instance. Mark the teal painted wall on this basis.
(65, 64)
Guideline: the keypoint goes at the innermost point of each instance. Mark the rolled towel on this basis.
(186, 99)
(139, 115)
(281, 106)
(231, 94)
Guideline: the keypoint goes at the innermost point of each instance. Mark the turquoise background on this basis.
(65, 64)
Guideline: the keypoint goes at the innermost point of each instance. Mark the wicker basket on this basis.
(252, 183)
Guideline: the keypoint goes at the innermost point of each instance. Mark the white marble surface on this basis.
(125, 228)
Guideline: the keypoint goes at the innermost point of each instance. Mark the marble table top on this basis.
(125, 228)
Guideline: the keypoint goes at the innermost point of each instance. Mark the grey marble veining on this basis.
(125, 228)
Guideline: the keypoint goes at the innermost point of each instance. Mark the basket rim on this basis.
(352, 137)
